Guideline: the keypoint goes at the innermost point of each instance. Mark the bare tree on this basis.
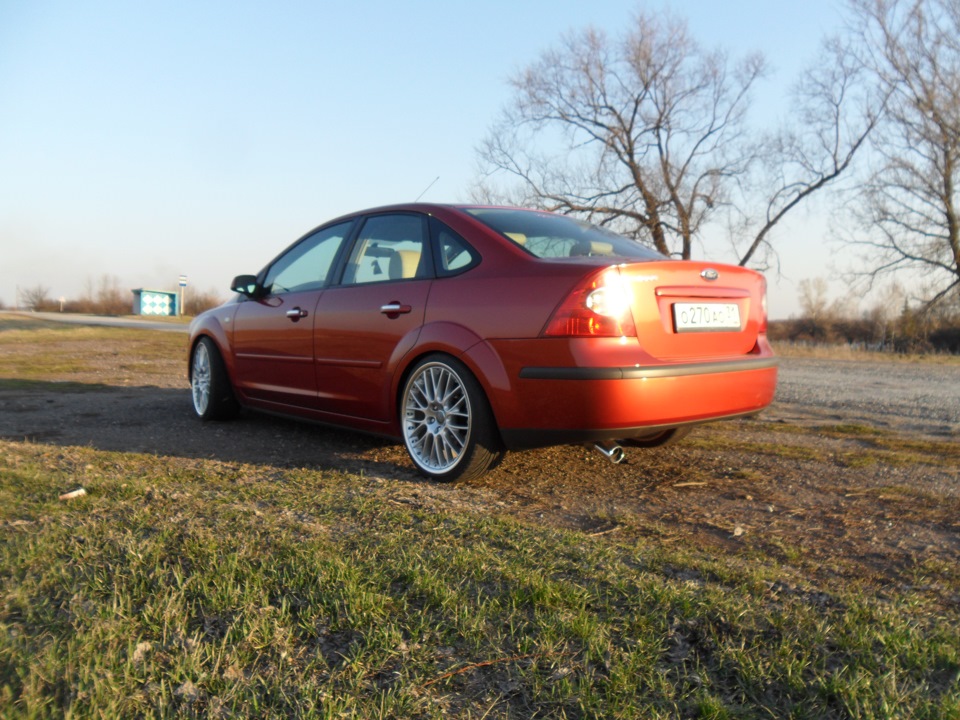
(650, 137)
(814, 298)
(111, 298)
(198, 301)
(649, 129)
(908, 210)
(37, 298)
(834, 111)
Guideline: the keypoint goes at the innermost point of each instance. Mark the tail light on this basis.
(599, 306)
(763, 306)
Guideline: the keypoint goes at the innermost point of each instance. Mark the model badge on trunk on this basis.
(710, 274)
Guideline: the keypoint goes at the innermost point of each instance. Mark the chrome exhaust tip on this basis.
(611, 451)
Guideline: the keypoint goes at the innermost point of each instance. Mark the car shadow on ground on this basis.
(161, 421)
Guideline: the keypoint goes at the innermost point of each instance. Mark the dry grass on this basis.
(847, 352)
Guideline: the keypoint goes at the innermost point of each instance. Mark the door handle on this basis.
(296, 313)
(393, 309)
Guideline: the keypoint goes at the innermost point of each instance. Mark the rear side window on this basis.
(454, 254)
(547, 235)
(389, 247)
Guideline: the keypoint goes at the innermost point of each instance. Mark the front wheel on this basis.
(448, 427)
(209, 385)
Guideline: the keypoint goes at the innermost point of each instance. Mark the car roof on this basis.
(428, 208)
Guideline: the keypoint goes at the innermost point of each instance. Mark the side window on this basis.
(389, 247)
(307, 265)
(454, 255)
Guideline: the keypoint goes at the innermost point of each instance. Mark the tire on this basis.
(664, 438)
(210, 388)
(448, 427)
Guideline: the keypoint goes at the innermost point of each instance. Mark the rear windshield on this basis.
(558, 236)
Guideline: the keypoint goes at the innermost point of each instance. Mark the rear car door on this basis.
(366, 323)
(273, 334)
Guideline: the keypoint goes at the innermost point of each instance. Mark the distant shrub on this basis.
(946, 339)
(197, 302)
(907, 334)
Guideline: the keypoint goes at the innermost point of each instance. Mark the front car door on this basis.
(274, 333)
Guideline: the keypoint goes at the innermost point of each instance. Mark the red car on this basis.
(467, 331)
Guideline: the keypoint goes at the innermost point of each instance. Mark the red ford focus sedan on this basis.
(468, 331)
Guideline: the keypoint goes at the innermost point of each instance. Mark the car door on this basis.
(366, 323)
(273, 333)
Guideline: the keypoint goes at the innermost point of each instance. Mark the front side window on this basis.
(546, 235)
(307, 265)
(388, 247)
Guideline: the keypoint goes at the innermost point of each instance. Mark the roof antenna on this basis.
(427, 188)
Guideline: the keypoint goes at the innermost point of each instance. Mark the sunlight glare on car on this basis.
(612, 298)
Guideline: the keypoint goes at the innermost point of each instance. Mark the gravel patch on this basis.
(916, 397)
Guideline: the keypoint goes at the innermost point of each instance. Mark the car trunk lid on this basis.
(685, 310)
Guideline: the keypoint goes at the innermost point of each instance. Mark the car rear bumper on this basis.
(645, 373)
(553, 405)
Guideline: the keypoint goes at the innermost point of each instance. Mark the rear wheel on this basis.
(662, 438)
(448, 427)
(209, 385)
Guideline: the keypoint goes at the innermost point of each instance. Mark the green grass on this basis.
(191, 588)
(36, 350)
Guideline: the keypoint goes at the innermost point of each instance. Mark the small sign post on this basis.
(183, 286)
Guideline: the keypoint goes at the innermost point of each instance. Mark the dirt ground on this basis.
(839, 488)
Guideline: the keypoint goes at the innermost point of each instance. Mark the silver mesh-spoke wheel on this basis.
(200, 379)
(437, 418)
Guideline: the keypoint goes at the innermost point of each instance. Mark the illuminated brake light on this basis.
(763, 305)
(597, 307)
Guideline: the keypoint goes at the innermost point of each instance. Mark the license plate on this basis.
(706, 317)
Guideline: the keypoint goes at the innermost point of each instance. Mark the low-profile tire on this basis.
(448, 427)
(664, 438)
(213, 397)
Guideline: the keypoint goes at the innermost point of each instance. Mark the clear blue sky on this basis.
(143, 140)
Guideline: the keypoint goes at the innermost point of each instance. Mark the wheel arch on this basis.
(216, 333)
(462, 344)
(444, 449)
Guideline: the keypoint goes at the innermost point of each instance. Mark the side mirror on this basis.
(245, 285)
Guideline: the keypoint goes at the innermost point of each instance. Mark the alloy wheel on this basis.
(437, 419)
(200, 379)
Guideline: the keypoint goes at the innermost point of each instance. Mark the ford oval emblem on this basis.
(710, 274)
